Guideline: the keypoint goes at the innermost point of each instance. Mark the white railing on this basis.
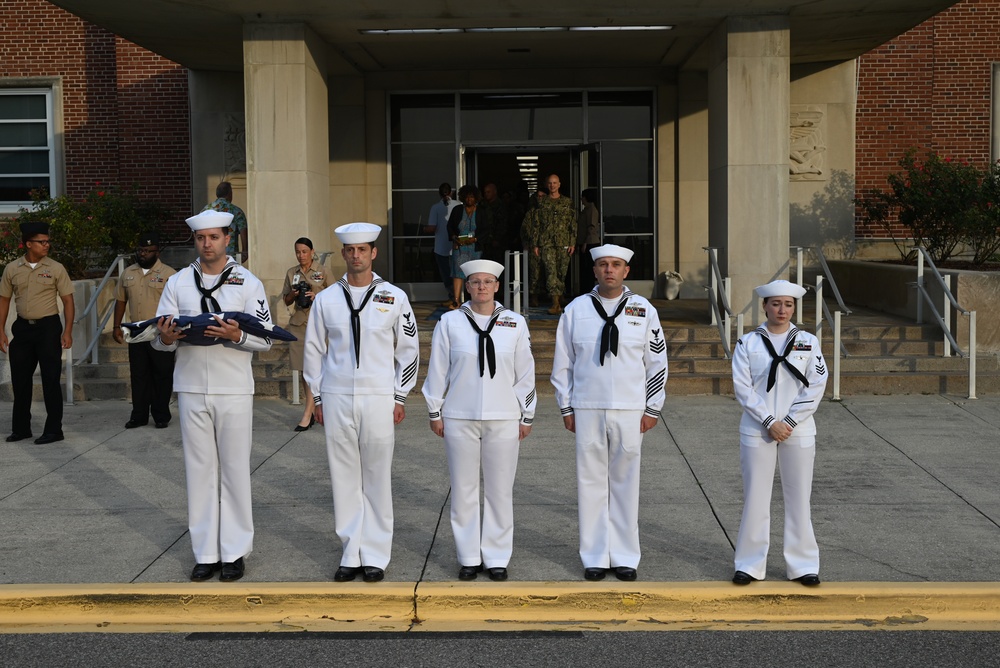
(515, 270)
(721, 318)
(943, 318)
(97, 323)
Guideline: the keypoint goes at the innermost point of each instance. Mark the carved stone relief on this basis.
(235, 144)
(807, 143)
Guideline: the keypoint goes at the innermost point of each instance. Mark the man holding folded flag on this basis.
(214, 386)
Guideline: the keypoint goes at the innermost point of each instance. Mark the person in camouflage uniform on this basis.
(551, 233)
(491, 228)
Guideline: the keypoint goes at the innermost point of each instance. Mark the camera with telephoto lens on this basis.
(302, 300)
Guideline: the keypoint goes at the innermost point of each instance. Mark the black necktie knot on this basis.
(356, 319)
(777, 360)
(487, 351)
(609, 334)
(209, 304)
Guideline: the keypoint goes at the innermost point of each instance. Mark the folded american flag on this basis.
(194, 326)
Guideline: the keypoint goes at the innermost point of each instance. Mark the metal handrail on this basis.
(944, 321)
(118, 262)
(516, 271)
(723, 323)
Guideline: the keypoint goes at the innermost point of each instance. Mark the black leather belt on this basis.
(39, 320)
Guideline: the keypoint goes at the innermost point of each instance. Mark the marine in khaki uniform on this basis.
(37, 336)
(151, 371)
(551, 231)
(311, 272)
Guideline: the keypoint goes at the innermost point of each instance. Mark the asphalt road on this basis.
(405, 650)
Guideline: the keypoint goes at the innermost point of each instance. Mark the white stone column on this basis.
(748, 98)
(287, 138)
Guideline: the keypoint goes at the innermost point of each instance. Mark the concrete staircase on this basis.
(886, 356)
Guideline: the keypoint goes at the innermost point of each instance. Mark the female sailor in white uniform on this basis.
(481, 359)
(779, 377)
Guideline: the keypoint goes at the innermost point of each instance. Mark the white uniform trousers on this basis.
(495, 445)
(360, 437)
(216, 430)
(608, 449)
(795, 458)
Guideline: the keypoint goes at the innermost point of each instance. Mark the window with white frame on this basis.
(27, 146)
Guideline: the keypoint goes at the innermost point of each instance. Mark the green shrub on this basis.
(87, 235)
(938, 201)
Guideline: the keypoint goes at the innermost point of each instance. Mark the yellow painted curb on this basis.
(392, 606)
(700, 605)
(182, 607)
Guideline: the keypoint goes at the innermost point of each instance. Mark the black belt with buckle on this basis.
(38, 320)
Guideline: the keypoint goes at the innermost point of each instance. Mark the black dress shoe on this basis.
(13, 438)
(346, 573)
(162, 425)
(299, 427)
(498, 574)
(625, 573)
(373, 574)
(594, 573)
(741, 578)
(45, 439)
(810, 580)
(232, 570)
(202, 572)
(469, 572)
(132, 424)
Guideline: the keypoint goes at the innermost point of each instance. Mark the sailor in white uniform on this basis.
(480, 391)
(214, 386)
(609, 373)
(779, 377)
(360, 360)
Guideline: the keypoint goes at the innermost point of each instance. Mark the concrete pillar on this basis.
(692, 180)
(288, 170)
(748, 97)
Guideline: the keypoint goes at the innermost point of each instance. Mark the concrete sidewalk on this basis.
(905, 494)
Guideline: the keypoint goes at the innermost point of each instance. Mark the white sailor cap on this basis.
(357, 233)
(611, 250)
(780, 288)
(482, 267)
(209, 219)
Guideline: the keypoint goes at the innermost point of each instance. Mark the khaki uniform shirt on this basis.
(317, 276)
(35, 290)
(143, 291)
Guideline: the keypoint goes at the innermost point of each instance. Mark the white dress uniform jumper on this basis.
(361, 357)
(609, 369)
(777, 377)
(215, 386)
(481, 383)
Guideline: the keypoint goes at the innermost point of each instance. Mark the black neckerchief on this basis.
(776, 360)
(210, 304)
(356, 316)
(609, 335)
(487, 351)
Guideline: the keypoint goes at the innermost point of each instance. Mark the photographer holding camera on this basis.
(302, 282)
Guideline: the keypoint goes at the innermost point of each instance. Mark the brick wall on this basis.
(930, 89)
(125, 109)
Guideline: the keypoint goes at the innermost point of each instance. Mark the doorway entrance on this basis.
(519, 171)
(590, 138)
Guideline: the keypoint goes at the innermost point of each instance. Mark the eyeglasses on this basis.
(483, 284)
(147, 251)
(43, 242)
